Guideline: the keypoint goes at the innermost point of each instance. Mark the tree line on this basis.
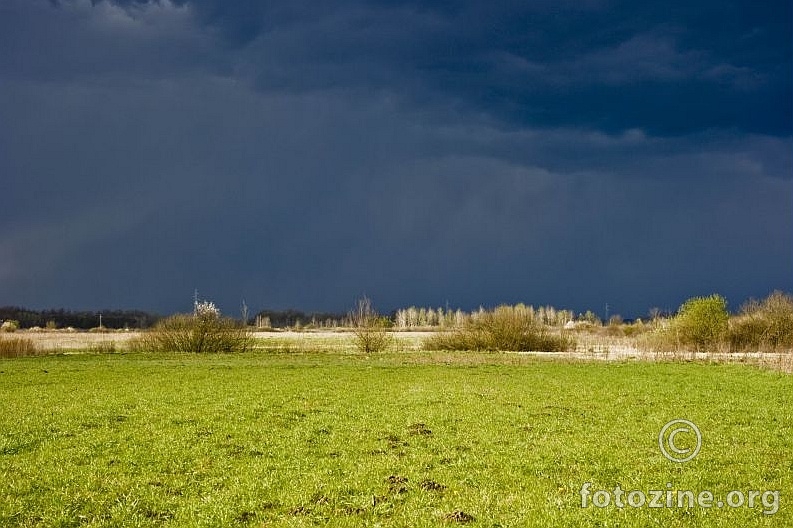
(138, 319)
(81, 320)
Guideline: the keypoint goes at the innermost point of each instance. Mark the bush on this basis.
(505, 328)
(370, 329)
(746, 333)
(777, 311)
(9, 326)
(636, 329)
(701, 322)
(764, 324)
(12, 347)
(204, 331)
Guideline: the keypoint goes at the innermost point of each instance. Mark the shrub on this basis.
(746, 333)
(590, 318)
(505, 328)
(12, 347)
(777, 310)
(204, 331)
(701, 322)
(763, 324)
(9, 326)
(370, 329)
(635, 329)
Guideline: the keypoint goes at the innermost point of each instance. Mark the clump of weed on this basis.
(506, 328)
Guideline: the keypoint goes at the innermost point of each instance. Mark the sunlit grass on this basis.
(402, 439)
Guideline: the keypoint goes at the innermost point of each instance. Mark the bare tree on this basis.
(244, 313)
(370, 329)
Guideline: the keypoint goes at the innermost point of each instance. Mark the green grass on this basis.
(404, 439)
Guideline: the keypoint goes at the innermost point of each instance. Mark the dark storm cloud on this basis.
(668, 68)
(300, 154)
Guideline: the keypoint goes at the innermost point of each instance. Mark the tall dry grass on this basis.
(765, 325)
(14, 347)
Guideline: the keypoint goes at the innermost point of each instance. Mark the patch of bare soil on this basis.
(459, 516)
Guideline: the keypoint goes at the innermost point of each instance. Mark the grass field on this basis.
(402, 439)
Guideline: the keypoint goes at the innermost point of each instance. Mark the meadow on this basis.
(289, 436)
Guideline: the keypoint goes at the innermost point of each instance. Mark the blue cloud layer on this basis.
(295, 155)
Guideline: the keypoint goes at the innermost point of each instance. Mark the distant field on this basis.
(74, 341)
(402, 439)
(589, 346)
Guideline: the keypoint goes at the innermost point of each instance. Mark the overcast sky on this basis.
(301, 153)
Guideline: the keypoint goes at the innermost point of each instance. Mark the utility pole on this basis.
(607, 314)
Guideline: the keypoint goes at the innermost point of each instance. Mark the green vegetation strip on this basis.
(410, 439)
